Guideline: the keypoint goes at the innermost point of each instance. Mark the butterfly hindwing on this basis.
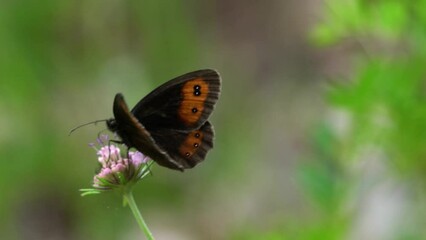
(188, 148)
(182, 103)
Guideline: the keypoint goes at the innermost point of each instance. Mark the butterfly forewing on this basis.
(183, 103)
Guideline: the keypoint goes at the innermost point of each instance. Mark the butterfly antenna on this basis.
(82, 125)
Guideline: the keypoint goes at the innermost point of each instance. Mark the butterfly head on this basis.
(112, 125)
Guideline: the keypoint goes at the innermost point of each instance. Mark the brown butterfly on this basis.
(170, 124)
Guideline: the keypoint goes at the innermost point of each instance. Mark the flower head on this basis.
(117, 170)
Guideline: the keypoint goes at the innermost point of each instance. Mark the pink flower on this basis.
(117, 170)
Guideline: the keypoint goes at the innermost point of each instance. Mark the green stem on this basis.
(128, 196)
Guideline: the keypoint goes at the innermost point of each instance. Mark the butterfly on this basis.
(170, 125)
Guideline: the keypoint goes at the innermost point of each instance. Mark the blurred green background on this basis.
(320, 128)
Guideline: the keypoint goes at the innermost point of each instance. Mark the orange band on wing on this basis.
(194, 94)
(191, 144)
